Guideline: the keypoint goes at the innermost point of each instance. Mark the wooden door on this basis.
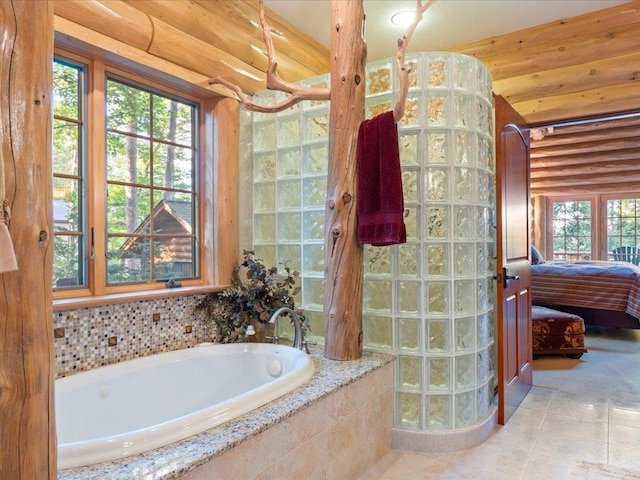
(513, 262)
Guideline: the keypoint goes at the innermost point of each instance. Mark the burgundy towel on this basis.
(380, 199)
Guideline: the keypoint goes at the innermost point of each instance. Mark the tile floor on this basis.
(548, 431)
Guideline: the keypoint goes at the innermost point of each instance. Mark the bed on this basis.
(602, 293)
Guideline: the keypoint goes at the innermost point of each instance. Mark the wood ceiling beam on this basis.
(584, 169)
(604, 134)
(582, 148)
(564, 160)
(564, 190)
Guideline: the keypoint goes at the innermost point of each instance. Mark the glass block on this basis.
(484, 84)
(408, 410)
(315, 159)
(464, 297)
(464, 72)
(438, 147)
(409, 372)
(465, 148)
(264, 227)
(316, 126)
(412, 109)
(408, 334)
(438, 222)
(463, 259)
(264, 135)
(408, 298)
(313, 259)
(464, 111)
(409, 260)
(321, 81)
(465, 409)
(482, 260)
(438, 333)
(484, 294)
(437, 185)
(484, 402)
(377, 105)
(437, 110)
(377, 260)
(412, 222)
(264, 196)
(484, 366)
(484, 116)
(408, 144)
(314, 191)
(437, 260)
(437, 295)
(377, 296)
(312, 290)
(379, 77)
(313, 221)
(438, 70)
(465, 333)
(438, 411)
(288, 131)
(290, 256)
(377, 332)
(267, 253)
(463, 190)
(463, 222)
(439, 374)
(482, 223)
(289, 227)
(288, 194)
(315, 320)
(485, 336)
(264, 166)
(412, 63)
(288, 163)
(411, 186)
(485, 153)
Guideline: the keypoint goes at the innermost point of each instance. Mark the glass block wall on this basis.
(431, 300)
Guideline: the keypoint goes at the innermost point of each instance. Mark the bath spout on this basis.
(298, 340)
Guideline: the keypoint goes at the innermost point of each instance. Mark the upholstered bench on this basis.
(557, 332)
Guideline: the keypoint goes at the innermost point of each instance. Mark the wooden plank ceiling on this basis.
(584, 65)
(584, 159)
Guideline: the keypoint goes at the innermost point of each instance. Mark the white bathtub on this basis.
(139, 405)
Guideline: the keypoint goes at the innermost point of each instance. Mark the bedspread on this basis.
(592, 284)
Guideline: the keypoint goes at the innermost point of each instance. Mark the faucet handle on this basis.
(306, 344)
(275, 338)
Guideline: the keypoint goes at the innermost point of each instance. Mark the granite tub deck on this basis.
(334, 427)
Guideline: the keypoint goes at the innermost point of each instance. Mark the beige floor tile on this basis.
(522, 435)
(568, 447)
(555, 424)
(625, 413)
(414, 466)
(538, 399)
(493, 457)
(466, 472)
(624, 457)
(627, 437)
(543, 467)
(582, 408)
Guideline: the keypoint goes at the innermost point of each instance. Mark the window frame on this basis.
(596, 233)
(97, 292)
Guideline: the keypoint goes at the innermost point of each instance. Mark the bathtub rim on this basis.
(121, 446)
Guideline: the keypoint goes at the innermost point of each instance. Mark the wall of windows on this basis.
(598, 227)
(126, 163)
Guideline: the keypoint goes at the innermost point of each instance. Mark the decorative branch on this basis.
(403, 70)
(297, 93)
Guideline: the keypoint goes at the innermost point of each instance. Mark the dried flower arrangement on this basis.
(231, 310)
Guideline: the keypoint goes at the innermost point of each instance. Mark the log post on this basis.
(343, 252)
(27, 420)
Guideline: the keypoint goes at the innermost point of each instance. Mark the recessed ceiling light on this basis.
(403, 19)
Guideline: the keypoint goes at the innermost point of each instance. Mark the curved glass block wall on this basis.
(431, 300)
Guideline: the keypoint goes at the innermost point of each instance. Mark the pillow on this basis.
(536, 257)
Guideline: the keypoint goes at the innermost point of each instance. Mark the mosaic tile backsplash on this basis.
(88, 338)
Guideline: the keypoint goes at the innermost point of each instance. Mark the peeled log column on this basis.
(27, 420)
(343, 252)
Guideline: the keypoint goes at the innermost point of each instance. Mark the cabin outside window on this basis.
(599, 227)
(126, 178)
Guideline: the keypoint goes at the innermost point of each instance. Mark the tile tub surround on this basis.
(87, 338)
(334, 428)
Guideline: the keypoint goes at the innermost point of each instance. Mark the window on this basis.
(126, 181)
(572, 230)
(600, 227)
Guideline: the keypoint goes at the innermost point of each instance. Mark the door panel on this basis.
(512, 262)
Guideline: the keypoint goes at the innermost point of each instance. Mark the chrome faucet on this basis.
(298, 341)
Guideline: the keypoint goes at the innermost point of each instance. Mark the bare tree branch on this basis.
(297, 93)
(403, 71)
